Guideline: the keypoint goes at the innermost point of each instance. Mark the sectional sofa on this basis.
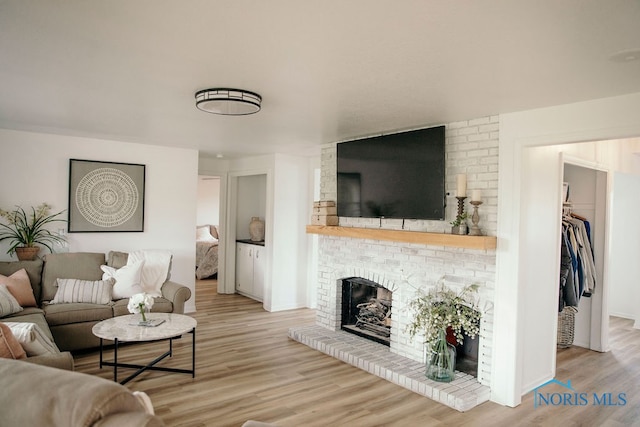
(32, 395)
(70, 324)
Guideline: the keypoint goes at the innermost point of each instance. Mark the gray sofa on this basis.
(70, 325)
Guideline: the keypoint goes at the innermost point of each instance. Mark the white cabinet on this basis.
(250, 270)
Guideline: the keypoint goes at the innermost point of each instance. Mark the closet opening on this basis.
(582, 316)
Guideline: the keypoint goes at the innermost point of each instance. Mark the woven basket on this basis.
(566, 327)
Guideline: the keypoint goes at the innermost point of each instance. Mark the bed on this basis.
(206, 251)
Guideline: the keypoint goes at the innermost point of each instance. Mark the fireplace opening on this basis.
(466, 354)
(366, 309)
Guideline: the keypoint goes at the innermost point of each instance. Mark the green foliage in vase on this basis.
(459, 219)
(28, 229)
(442, 307)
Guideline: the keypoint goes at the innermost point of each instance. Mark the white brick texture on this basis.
(471, 148)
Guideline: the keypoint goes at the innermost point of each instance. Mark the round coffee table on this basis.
(127, 329)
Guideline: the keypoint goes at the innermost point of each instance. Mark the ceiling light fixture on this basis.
(228, 102)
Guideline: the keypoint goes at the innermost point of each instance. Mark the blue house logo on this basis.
(568, 396)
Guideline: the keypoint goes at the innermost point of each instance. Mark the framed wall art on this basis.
(105, 196)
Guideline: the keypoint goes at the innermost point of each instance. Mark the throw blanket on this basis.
(206, 259)
(154, 271)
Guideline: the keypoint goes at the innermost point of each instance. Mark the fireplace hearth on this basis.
(366, 309)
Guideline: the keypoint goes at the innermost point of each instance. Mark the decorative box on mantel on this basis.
(324, 213)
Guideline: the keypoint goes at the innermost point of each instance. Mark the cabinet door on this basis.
(244, 268)
(258, 272)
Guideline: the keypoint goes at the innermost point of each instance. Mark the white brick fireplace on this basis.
(403, 268)
(382, 264)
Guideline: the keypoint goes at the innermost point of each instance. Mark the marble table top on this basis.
(126, 328)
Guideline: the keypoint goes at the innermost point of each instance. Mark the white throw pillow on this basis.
(32, 339)
(203, 234)
(127, 279)
(155, 270)
(8, 303)
(76, 290)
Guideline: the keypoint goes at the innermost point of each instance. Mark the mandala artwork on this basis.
(107, 197)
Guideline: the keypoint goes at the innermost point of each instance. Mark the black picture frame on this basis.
(106, 196)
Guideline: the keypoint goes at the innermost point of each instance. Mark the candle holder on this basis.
(460, 206)
(475, 219)
(461, 228)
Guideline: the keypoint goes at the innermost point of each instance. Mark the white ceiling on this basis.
(327, 70)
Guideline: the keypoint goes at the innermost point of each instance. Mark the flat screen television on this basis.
(399, 175)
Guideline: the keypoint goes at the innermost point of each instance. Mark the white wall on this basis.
(251, 202)
(312, 240)
(527, 243)
(624, 295)
(292, 201)
(208, 207)
(34, 168)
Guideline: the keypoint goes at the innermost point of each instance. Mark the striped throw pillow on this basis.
(8, 303)
(76, 290)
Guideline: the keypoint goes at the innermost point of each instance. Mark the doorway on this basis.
(208, 232)
(539, 251)
(586, 187)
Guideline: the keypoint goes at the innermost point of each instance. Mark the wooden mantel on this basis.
(420, 237)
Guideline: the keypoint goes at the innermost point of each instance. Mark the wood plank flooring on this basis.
(247, 368)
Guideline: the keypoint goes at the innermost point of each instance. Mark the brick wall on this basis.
(471, 148)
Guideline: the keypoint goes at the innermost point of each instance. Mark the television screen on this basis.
(399, 175)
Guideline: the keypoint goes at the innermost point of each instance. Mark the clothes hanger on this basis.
(575, 215)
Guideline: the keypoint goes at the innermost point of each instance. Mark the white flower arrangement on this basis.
(440, 308)
(139, 303)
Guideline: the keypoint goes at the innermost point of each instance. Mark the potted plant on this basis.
(26, 231)
(459, 226)
(435, 311)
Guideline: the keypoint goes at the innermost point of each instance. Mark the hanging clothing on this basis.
(568, 263)
(577, 265)
(586, 255)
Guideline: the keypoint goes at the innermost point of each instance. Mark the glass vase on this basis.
(441, 360)
(144, 316)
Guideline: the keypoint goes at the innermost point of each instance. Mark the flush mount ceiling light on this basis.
(228, 102)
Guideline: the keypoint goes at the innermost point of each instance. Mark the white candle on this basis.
(476, 196)
(462, 185)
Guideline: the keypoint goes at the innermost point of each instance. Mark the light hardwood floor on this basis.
(247, 368)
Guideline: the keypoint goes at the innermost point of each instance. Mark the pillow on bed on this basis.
(203, 234)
